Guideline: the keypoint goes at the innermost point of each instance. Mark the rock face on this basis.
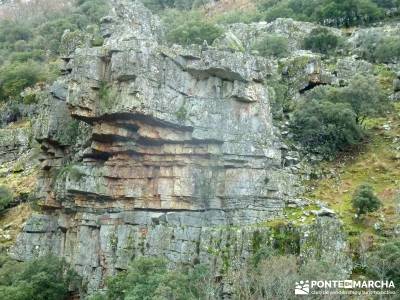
(248, 34)
(155, 150)
(13, 143)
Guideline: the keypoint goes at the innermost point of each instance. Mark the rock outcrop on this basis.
(155, 150)
(249, 34)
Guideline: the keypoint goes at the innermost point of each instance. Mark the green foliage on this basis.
(275, 276)
(321, 40)
(376, 47)
(349, 12)
(388, 50)
(28, 46)
(5, 198)
(181, 114)
(187, 28)
(238, 16)
(365, 97)
(107, 95)
(159, 5)
(329, 12)
(389, 4)
(384, 262)
(17, 76)
(272, 45)
(364, 200)
(363, 94)
(45, 278)
(279, 101)
(325, 127)
(286, 241)
(149, 278)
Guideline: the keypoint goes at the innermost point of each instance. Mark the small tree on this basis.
(365, 97)
(364, 200)
(387, 50)
(321, 40)
(384, 262)
(271, 278)
(149, 278)
(43, 278)
(5, 198)
(272, 45)
(189, 27)
(325, 127)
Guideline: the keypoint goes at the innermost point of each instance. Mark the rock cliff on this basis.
(150, 149)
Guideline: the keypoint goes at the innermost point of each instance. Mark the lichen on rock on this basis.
(155, 150)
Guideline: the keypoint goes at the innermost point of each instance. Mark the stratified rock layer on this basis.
(155, 150)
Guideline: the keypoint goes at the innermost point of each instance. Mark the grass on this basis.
(378, 164)
(295, 216)
(11, 223)
(21, 182)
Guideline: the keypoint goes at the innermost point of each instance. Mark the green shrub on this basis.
(6, 198)
(187, 28)
(238, 16)
(388, 4)
(325, 127)
(384, 262)
(364, 95)
(275, 276)
(15, 77)
(29, 45)
(149, 278)
(349, 12)
(364, 200)
(280, 102)
(11, 32)
(45, 278)
(387, 50)
(92, 10)
(321, 40)
(272, 45)
(159, 5)
(331, 12)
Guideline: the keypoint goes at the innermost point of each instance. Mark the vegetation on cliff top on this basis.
(30, 41)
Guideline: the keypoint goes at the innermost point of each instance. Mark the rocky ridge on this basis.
(165, 151)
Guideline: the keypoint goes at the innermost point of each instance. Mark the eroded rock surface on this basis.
(155, 150)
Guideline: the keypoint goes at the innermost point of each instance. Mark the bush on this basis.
(15, 77)
(30, 44)
(321, 40)
(330, 12)
(387, 50)
(275, 277)
(325, 127)
(159, 5)
(384, 262)
(238, 16)
(365, 97)
(149, 278)
(187, 28)
(364, 200)
(272, 45)
(349, 13)
(363, 94)
(45, 278)
(5, 198)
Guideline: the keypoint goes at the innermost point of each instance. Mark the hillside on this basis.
(199, 149)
